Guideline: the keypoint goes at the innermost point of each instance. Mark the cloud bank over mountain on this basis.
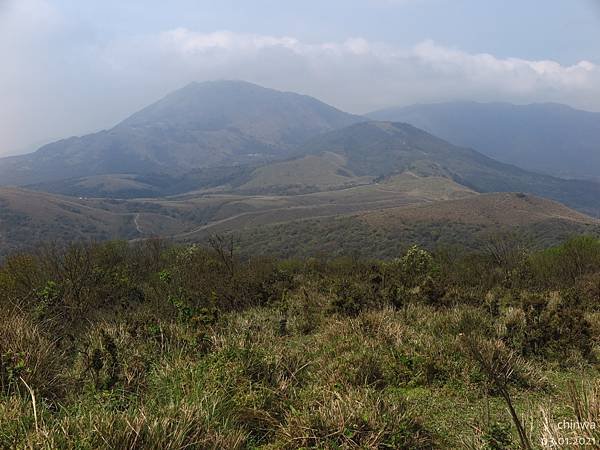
(63, 78)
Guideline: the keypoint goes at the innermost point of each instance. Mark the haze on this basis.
(71, 67)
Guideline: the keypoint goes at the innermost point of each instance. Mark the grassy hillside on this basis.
(472, 222)
(113, 185)
(312, 172)
(28, 218)
(373, 220)
(127, 186)
(148, 346)
(511, 209)
(381, 149)
(31, 216)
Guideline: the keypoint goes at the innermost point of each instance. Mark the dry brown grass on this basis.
(28, 357)
(581, 427)
(485, 209)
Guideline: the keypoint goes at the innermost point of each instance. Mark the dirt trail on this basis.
(137, 224)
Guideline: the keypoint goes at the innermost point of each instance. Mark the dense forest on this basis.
(151, 345)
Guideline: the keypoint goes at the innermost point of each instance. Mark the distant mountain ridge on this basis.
(549, 137)
(381, 149)
(220, 123)
(365, 153)
(237, 137)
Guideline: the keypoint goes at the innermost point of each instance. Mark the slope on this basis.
(550, 138)
(382, 149)
(505, 209)
(471, 222)
(28, 217)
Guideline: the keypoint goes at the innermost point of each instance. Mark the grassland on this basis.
(469, 223)
(30, 217)
(381, 218)
(310, 173)
(149, 346)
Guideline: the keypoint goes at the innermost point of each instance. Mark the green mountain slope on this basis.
(375, 219)
(363, 153)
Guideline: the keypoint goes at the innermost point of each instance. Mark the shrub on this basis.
(351, 297)
(111, 359)
(566, 263)
(156, 346)
(304, 311)
(554, 328)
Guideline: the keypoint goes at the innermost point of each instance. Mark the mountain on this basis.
(222, 123)
(550, 138)
(227, 157)
(376, 154)
(382, 149)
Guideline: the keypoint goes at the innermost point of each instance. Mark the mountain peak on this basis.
(207, 124)
(220, 85)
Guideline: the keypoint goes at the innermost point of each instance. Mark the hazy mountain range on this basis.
(550, 138)
(235, 157)
(201, 125)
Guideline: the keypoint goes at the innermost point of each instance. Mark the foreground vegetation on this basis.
(153, 346)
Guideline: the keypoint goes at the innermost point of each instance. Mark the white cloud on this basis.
(511, 74)
(86, 85)
(361, 75)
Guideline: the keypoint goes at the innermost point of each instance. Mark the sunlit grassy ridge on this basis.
(153, 346)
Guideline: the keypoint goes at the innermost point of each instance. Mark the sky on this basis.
(70, 67)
